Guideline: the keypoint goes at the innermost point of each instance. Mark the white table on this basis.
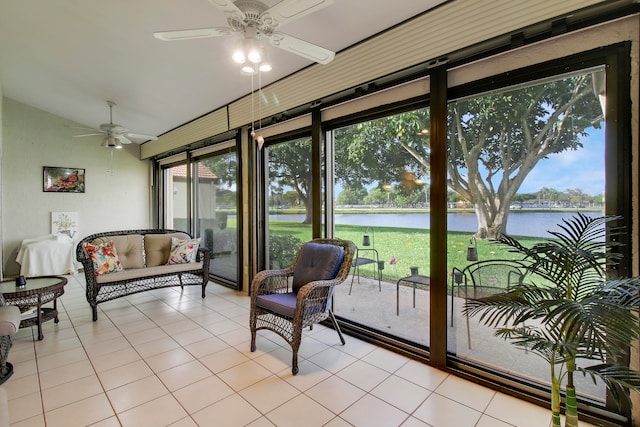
(48, 255)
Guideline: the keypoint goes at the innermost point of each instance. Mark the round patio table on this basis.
(38, 291)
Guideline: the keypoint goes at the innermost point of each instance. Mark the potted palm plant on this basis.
(568, 312)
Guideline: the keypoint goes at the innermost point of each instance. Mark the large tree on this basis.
(496, 140)
(290, 167)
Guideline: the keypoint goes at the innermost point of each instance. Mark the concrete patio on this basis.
(377, 309)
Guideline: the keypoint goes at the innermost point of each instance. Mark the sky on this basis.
(582, 169)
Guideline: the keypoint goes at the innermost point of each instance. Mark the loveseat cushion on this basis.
(158, 246)
(148, 272)
(317, 261)
(9, 319)
(129, 248)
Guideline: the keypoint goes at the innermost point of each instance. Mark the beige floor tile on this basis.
(82, 413)
(300, 411)
(517, 412)
(421, 374)
(276, 360)
(223, 359)
(310, 374)
(205, 347)
(242, 376)
(401, 393)
(414, 422)
(52, 344)
(151, 348)
(335, 394)
(269, 393)
(465, 392)
(363, 375)
(109, 422)
(112, 345)
(332, 360)
(374, 412)
(169, 359)
(62, 358)
(146, 335)
(124, 374)
(22, 386)
(183, 375)
(63, 374)
(203, 393)
(162, 411)
(136, 393)
(439, 411)
(69, 392)
(385, 359)
(487, 421)
(185, 422)
(113, 360)
(231, 411)
(25, 407)
(191, 336)
(37, 421)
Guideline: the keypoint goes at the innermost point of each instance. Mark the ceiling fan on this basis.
(256, 21)
(116, 135)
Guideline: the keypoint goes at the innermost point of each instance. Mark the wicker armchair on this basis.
(288, 300)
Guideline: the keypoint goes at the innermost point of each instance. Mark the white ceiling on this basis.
(68, 57)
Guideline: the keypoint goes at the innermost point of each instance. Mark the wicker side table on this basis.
(39, 291)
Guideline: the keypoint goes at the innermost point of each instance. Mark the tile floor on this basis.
(166, 358)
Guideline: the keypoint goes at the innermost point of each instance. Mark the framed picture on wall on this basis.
(63, 180)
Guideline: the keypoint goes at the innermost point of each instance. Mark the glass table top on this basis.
(33, 283)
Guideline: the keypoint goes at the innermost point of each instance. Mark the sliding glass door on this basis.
(216, 210)
(381, 187)
(521, 159)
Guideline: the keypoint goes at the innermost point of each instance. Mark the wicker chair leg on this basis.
(94, 312)
(180, 280)
(336, 327)
(6, 368)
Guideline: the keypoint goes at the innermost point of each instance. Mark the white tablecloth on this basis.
(47, 255)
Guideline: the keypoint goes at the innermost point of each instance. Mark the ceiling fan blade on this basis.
(302, 48)
(229, 8)
(83, 128)
(87, 134)
(288, 10)
(196, 33)
(123, 139)
(140, 136)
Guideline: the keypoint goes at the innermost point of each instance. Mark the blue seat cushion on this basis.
(317, 261)
(284, 304)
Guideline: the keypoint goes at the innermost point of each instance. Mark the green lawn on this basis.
(409, 246)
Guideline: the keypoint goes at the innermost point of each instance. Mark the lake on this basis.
(534, 224)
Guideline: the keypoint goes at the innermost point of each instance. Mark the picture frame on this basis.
(63, 180)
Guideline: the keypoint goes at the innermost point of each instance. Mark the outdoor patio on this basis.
(377, 308)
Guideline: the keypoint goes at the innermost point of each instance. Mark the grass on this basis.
(408, 246)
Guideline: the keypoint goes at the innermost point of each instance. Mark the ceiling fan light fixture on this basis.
(248, 69)
(265, 64)
(254, 52)
(111, 142)
(238, 55)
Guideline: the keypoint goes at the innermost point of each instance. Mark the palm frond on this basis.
(619, 380)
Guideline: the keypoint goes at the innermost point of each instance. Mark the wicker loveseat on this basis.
(144, 259)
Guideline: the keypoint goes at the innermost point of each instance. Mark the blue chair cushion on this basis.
(317, 261)
(284, 304)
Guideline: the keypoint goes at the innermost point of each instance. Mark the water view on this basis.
(536, 224)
